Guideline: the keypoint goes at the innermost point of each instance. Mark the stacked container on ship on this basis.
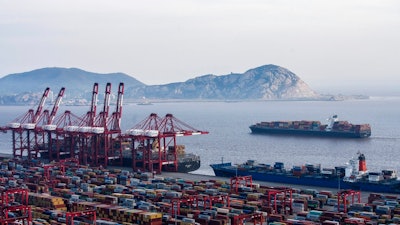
(353, 175)
(334, 128)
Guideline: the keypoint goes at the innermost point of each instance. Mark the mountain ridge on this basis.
(264, 82)
(267, 82)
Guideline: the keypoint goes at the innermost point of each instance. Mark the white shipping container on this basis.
(297, 207)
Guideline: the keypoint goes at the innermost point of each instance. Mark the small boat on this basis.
(144, 102)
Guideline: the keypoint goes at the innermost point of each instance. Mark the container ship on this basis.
(334, 128)
(354, 175)
(187, 162)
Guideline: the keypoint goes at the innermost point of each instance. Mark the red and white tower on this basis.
(362, 164)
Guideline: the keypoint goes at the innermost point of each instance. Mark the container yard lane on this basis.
(199, 177)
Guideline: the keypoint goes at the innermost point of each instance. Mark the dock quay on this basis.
(69, 193)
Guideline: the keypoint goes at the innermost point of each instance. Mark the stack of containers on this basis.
(128, 215)
(150, 218)
(46, 201)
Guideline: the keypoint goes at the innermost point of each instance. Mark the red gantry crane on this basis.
(98, 135)
(62, 141)
(92, 139)
(154, 142)
(144, 139)
(112, 135)
(90, 215)
(97, 139)
(63, 144)
(87, 143)
(25, 125)
(101, 144)
(106, 132)
(45, 128)
(170, 128)
(15, 213)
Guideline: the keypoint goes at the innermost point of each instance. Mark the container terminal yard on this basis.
(80, 181)
(68, 193)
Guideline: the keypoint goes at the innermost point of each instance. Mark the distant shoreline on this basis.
(154, 101)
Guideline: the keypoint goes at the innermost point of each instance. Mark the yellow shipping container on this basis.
(152, 215)
(220, 182)
(198, 188)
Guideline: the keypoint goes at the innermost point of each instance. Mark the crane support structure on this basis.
(243, 219)
(86, 142)
(197, 202)
(24, 215)
(22, 212)
(342, 198)
(45, 127)
(7, 196)
(112, 134)
(63, 142)
(96, 154)
(153, 142)
(92, 139)
(142, 141)
(283, 194)
(61, 165)
(246, 181)
(91, 214)
(22, 129)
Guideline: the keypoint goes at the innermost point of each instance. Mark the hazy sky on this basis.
(335, 46)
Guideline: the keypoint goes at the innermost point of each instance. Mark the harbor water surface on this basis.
(230, 138)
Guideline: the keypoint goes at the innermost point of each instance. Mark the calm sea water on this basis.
(230, 138)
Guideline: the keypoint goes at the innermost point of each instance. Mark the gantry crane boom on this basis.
(93, 107)
(106, 106)
(41, 105)
(120, 100)
(56, 106)
(117, 115)
(102, 118)
(89, 119)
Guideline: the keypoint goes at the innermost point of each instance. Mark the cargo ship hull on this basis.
(334, 128)
(186, 163)
(188, 166)
(228, 170)
(316, 133)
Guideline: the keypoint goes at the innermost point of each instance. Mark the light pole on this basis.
(237, 169)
